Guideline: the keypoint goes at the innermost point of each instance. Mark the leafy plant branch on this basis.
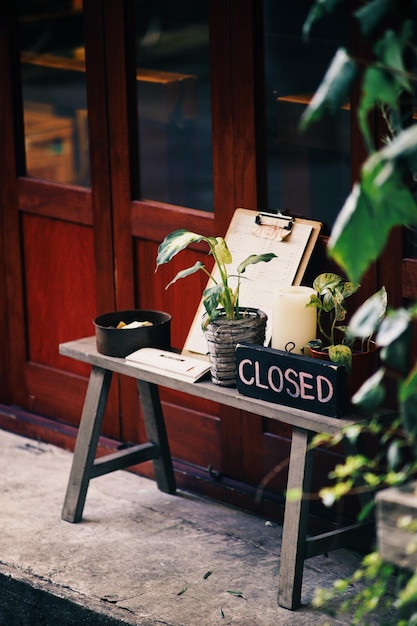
(219, 298)
(383, 198)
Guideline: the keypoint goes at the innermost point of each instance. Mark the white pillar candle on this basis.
(293, 324)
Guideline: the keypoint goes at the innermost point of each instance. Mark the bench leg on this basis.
(295, 521)
(156, 433)
(86, 444)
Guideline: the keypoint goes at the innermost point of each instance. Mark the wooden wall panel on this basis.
(65, 403)
(12, 324)
(69, 204)
(181, 299)
(194, 437)
(409, 279)
(60, 288)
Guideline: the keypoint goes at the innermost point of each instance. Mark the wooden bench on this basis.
(296, 546)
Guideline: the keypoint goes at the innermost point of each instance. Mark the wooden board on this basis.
(291, 379)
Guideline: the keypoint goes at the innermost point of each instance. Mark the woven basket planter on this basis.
(222, 338)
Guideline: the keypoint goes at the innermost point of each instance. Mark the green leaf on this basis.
(394, 336)
(372, 479)
(408, 388)
(333, 91)
(255, 258)
(352, 230)
(391, 48)
(366, 510)
(394, 455)
(211, 298)
(207, 574)
(367, 217)
(393, 326)
(222, 252)
(175, 242)
(352, 432)
(348, 288)
(372, 393)
(371, 14)
(384, 81)
(293, 495)
(368, 317)
(323, 439)
(328, 301)
(319, 9)
(239, 594)
(341, 584)
(342, 355)
(403, 149)
(407, 597)
(183, 590)
(315, 344)
(315, 302)
(326, 281)
(187, 272)
(353, 463)
(379, 87)
(395, 354)
(328, 496)
(339, 309)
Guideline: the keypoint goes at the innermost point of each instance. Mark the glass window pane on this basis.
(173, 88)
(308, 173)
(54, 90)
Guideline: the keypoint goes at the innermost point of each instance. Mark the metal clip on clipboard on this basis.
(283, 223)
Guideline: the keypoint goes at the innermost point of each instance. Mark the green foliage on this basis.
(332, 291)
(220, 294)
(369, 317)
(376, 204)
(361, 473)
(333, 91)
(330, 302)
(376, 577)
(384, 197)
(381, 199)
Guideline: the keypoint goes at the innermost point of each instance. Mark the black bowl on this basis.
(120, 342)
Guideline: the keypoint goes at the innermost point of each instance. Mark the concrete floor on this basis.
(139, 556)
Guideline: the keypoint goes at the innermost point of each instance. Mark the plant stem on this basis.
(323, 332)
(227, 302)
(332, 330)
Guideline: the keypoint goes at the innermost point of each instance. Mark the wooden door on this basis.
(58, 237)
(80, 234)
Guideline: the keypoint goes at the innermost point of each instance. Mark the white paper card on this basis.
(169, 363)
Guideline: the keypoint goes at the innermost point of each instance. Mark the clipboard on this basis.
(292, 239)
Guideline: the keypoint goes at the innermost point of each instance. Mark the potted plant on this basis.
(338, 341)
(225, 323)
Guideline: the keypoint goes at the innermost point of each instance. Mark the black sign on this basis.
(291, 379)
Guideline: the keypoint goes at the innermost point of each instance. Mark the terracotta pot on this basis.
(364, 364)
(222, 338)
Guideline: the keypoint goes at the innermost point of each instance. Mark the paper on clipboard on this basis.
(244, 237)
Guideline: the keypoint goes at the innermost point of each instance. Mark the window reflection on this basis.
(308, 173)
(54, 90)
(173, 91)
